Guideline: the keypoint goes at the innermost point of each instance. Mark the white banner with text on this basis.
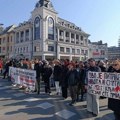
(23, 77)
(104, 84)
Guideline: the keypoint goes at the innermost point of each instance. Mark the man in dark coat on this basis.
(57, 76)
(37, 68)
(47, 72)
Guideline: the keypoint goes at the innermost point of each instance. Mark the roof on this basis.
(8, 29)
(63, 22)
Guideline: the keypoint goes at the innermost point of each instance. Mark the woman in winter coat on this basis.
(114, 104)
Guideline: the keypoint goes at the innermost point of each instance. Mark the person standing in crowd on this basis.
(93, 100)
(102, 66)
(114, 104)
(63, 81)
(47, 72)
(81, 81)
(37, 68)
(7, 65)
(57, 76)
(72, 78)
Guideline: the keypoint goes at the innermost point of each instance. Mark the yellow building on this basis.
(7, 42)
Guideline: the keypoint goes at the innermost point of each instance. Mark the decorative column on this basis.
(64, 36)
(70, 36)
(43, 57)
(70, 54)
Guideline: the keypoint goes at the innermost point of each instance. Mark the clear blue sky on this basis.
(99, 18)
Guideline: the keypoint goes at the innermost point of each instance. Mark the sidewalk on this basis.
(16, 104)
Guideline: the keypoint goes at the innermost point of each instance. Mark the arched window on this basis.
(37, 28)
(50, 28)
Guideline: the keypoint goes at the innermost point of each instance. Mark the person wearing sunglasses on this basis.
(114, 104)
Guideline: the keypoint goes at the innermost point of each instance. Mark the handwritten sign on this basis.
(104, 84)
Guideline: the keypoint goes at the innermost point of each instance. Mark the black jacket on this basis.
(72, 77)
(47, 73)
(37, 68)
(57, 72)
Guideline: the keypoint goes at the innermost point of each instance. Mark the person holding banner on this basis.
(93, 100)
(114, 104)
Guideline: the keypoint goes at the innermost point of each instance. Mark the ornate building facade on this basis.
(46, 36)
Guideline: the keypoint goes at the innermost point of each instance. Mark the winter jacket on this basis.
(72, 77)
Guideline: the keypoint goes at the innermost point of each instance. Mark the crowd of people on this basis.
(68, 76)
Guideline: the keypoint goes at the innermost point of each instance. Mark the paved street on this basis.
(15, 104)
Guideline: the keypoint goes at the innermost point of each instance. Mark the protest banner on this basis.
(23, 77)
(104, 84)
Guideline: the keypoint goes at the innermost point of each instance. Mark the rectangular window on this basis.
(72, 35)
(22, 36)
(81, 37)
(50, 48)
(73, 50)
(26, 49)
(27, 35)
(4, 40)
(61, 49)
(18, 50)
(11, 38)
(77, 37)
(17, 38)
(8, 40)
(61, 33)
(67, 50)
(67, 34)
(36, 49)
(82, 52)
(51, 36)
(78, 51)
(86, 52)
